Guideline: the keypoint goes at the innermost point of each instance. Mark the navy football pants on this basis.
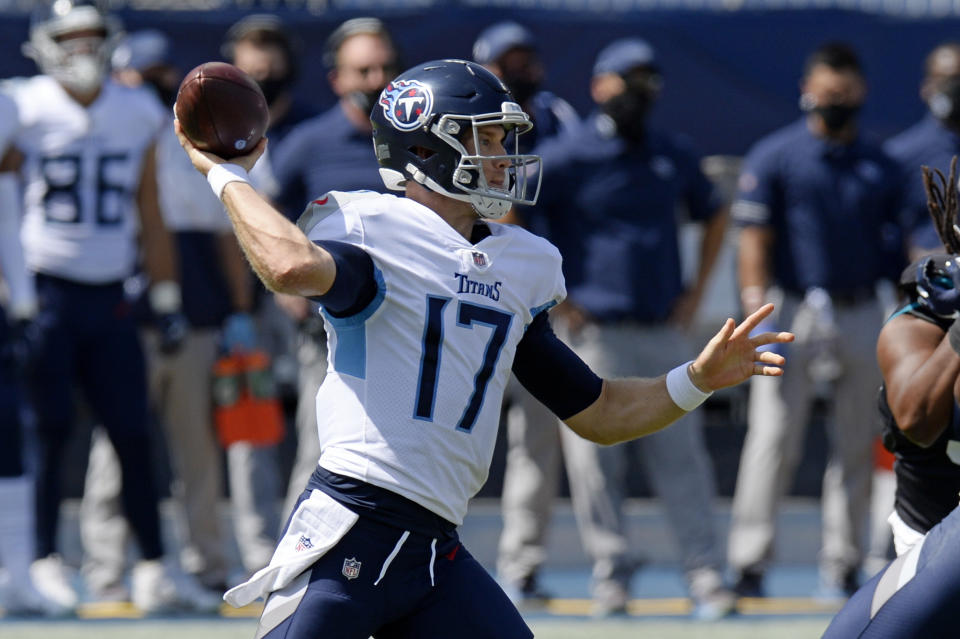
(925, 607)
(463, 602)
(87, 337)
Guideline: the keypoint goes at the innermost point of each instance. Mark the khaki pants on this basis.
(529, 484)
(779, 409)
(675, 461)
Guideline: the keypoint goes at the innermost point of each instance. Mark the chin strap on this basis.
(488, 207)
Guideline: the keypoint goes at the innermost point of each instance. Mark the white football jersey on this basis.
(81, 173)
(411, 401)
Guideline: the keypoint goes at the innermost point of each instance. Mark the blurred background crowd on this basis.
(699, 160)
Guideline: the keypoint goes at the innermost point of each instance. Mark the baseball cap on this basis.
(622, 55)
(366, 25)
(141, 50)
(256, 23)
(499, 38)
(264, 26)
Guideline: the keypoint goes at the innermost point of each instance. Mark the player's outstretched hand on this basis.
(732, 357)
(204, 160)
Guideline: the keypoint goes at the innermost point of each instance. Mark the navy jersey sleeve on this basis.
(552, 372)
(355, 285)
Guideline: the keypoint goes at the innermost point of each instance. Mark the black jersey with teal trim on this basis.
(928, 482)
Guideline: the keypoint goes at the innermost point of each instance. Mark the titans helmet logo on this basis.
(406, 103)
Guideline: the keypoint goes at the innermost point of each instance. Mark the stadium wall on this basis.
(731, 76)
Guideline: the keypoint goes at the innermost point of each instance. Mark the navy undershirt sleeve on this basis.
(552, 372)
(355, 285)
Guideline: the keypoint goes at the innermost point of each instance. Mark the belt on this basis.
(76, 284)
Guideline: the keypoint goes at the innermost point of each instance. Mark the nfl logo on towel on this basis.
(304, 543)
(351, 568)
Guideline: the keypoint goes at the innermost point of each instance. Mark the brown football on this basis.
(221, 109)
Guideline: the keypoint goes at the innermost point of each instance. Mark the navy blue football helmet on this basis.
(433, 106)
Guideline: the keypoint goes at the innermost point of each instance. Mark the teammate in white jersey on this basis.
(427, 308)
(89, 190)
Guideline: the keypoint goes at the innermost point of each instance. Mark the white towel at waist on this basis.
(316, 526)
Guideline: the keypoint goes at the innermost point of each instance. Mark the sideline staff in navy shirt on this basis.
(609, 201)
(817, 208)
(933, 141)
(612, 213)
(332, 150)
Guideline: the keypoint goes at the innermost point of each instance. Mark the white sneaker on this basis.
(153, 590)
(52, 580)
(712, 599)
(156, 590)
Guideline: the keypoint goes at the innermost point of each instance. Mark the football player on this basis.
(89, 190)
(428, 307)
(919, 355)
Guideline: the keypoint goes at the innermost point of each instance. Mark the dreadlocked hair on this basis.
(942, 204)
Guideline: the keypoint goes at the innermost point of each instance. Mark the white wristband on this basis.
(220, 175)
(682, 390)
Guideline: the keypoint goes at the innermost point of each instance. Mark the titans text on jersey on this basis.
(466, 285)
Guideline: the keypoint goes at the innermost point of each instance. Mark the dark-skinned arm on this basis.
(920, 370)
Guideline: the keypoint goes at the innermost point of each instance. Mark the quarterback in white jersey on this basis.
(428, 308)
(428, 367)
